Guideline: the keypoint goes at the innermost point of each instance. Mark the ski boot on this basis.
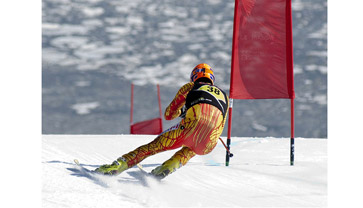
(166, 168)
(117, 167)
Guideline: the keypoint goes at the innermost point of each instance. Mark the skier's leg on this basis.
(179, 159)
(168, 140)
(205, 133)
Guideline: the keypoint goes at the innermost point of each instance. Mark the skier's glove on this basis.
(183, 111)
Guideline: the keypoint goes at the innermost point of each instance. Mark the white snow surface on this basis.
(259, 174)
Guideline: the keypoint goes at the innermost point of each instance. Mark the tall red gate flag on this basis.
(262, 54)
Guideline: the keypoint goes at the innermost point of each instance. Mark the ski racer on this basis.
(203, 108)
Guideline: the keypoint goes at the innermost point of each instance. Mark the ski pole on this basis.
(229, 153)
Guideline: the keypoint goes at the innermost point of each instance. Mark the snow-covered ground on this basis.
(259, 174)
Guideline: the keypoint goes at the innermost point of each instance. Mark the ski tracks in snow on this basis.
(259, 175)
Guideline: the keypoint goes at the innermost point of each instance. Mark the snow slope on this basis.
(259, 174)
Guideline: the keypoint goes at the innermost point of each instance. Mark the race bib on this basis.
(214, 91)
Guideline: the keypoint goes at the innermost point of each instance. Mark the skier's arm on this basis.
(173, 110)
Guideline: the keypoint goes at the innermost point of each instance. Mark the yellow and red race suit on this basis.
(197, 133)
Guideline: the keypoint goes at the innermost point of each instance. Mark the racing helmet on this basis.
(202, 71)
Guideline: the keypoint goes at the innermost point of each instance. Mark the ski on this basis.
(83, 169)
(91, 174)
(142, 169)
(77, 162)
(146, 173)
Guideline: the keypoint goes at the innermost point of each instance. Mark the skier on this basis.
(203, 108)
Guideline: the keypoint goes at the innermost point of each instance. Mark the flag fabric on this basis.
(262, 54)
(153, 126)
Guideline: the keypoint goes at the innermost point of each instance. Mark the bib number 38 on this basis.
(214, 91)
